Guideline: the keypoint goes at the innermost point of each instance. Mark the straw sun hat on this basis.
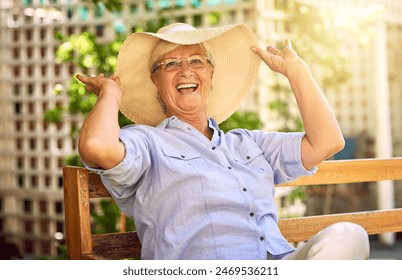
(235, 69)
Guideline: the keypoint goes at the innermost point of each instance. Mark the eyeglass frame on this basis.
(180, 61)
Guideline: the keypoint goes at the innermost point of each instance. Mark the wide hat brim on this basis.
(235, 70)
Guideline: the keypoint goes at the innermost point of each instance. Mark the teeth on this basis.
(181, 86)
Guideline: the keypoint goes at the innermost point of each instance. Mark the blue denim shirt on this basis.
(192, 198)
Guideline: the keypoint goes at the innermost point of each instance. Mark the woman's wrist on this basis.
(296, 69)
(112, 90)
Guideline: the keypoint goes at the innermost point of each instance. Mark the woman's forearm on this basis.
(323, 135)
(99, 144)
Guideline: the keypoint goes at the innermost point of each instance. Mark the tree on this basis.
(83, 52)
(248, 120)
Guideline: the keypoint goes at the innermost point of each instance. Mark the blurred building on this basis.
(32, 151)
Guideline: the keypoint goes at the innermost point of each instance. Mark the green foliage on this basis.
(214, 18)
(107, 219)
(86, 54)
(290, 122)
(111, 5)
(73, 160)
(54, 115)
(297, 193)
(247, 120)
(153, 25)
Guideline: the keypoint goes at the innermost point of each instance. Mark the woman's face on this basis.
(184, 90)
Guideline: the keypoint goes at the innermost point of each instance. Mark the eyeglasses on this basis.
(172, 64)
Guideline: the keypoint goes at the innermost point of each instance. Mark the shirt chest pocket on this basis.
(254, 158)
(183, 160)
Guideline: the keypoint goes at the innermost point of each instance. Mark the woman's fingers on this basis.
(92, 84)
(273, 50)
(95, 84)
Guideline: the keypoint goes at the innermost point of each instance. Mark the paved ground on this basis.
(381, 252)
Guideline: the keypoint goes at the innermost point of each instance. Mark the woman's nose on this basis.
(184, 68)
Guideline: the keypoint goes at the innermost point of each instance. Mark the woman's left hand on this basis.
(281, 61)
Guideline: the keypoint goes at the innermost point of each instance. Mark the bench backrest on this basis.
(80, 186)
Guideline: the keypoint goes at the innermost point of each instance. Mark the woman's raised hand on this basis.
(281, 61)
(100, 82)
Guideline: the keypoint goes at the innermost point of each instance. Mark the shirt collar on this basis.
(175, 121)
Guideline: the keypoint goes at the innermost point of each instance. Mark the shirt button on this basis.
(213, 148)
(247, 157)
(229, 167)
(251, 214)
(244, 189)
(183, 156)
(262, 238)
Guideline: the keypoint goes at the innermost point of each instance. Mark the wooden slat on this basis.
(329, 172)
(353, 171)
(375, 222)
(79, 186)
(76, 199)
(122, 245)
(96, 187)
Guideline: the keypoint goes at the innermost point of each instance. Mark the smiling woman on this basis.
(194, 191)
(184, 87)
(241, 64)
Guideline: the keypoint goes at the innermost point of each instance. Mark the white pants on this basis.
(340, 241)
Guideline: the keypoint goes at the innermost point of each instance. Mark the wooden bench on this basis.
(80, 186)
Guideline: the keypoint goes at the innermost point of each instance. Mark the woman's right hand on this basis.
(100, 83)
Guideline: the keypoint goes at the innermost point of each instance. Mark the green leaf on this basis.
(54, 115)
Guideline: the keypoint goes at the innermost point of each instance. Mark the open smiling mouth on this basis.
(186, 88)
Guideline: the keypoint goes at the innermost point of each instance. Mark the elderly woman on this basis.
(194, 191)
